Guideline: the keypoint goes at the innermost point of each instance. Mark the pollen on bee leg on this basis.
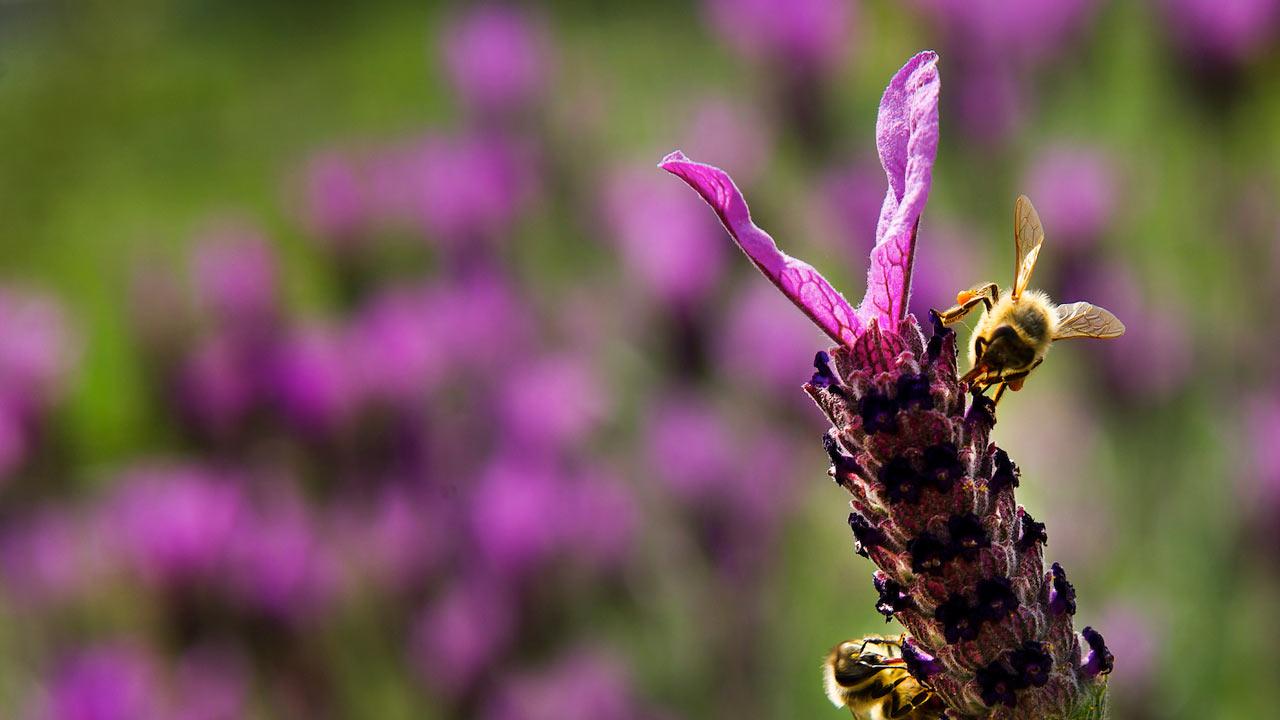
(965, 296)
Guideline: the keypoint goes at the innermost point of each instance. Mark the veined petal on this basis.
(907, 138)
(795, 278)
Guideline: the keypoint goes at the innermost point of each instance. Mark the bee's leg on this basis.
(1000, 388)
(967, 300)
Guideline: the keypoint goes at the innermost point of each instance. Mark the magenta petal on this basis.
(795, 278)
(907, 137)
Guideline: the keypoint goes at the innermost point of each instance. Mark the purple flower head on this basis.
(280, 565)
(689, 449)
(1232, 32)
(497, 57)
(585, 685)
(1078, 185)
(1099, 660)
(555, 402)
(469, 189)
(311, 380)
(518, 514)
(665, 239)
(807, 36)
(395, 348)
(461, 633)
(234, 270)
(932, 497)
(105, 682)
(37, 350)
(174, 523)
(907, 138)
(216, 386)
(336, 206)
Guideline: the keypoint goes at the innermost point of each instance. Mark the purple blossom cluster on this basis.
(960, 562)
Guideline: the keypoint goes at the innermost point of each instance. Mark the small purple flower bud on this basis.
(940, 333)
(942, 466)
(825, 376)
(901, 481)
(1099, 661)
(497, 58)
(967, 536)
(1062, 596)
(982, 410)
(997, 685)
(865, 536)
(879, 413)
(920, 664)
(913, 391)
(1032, 664)
(957, 618)
(1005, 474)
(843, 467)
(928, 554)
(892, 597)
(996, 599)
(1031, 532)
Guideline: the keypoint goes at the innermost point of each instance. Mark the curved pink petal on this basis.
(907, 137)
(795, 278)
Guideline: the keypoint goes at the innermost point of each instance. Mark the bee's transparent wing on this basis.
(1080, 319)
(1028, 235)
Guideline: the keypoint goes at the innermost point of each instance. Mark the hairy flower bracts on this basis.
(960, 563)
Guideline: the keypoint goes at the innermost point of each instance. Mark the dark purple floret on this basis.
(1031, 663)
(997, 685)
(957, 619)
(913, 391)
(942, 465)
(1099, 661)
(879, 413)
(892, 598)
(920, 664)
(843, 467)
(824, 377)
(928, 554)
(996, 599)
(967, 536)
(864, 535)
(982, 410)
(940, 333)
(1005, 473)
(1062, 596)
(901, 482)
(1031, 533)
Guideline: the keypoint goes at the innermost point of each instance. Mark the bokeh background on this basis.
(357, 361)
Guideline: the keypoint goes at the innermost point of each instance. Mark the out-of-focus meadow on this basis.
(357, 361)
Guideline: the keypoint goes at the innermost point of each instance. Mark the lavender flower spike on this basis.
(960, 564)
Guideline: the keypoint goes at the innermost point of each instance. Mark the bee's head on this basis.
(851, 663)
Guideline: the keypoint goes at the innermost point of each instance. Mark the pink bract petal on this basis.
(907, 137)
(795, 278)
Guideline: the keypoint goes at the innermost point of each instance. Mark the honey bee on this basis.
(1017, 327)
(869, 676)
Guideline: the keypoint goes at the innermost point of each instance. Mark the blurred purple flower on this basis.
(106, 682)
(601, 519)
(470, 188)
(1134, 635)
(235, 274)
(666, 240)
(1224, 31)
(556, 401)
(209, 683)
(518, 514)
(849, 199)
(1075, 187)
(583, 686)
(943, 263)
(42, 561)
(397, 345)
(174, 523)
(280, 564)
(731, 134)
(1029, 31)
(1259, 486)
(989, 100)
(336, 205)
(497, 57)
(216, 387)
(394, 539)
(689, 449)
(481, 320)
(462, 633)
(765, 342)
(311, 379)
(806, 36)
(36, 348)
